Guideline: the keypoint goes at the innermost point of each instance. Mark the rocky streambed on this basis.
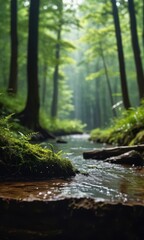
(73, 218)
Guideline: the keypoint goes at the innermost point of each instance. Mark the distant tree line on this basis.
(113, 44)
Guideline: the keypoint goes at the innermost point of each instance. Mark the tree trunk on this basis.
(54, 106)
(45, 67)
(30, 115)
(136, 48)
(143, 26)
(102, 154)
(108, 81)
(97, 113)
(12, 85)
(124, 87)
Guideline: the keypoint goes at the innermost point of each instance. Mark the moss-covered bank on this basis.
(125, 130)
(21, 159)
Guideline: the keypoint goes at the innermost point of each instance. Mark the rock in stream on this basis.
(73, 218)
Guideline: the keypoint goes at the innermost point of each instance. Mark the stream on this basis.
(99, 180)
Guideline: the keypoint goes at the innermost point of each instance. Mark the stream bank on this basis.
(105, 202)
(70, 219)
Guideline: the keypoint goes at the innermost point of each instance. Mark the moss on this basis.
(139, 138)
(19, 158)
(128, 129)
(99, 135)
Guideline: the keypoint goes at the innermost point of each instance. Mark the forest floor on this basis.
(55, 127)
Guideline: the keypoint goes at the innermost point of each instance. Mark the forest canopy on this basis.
(72, 59)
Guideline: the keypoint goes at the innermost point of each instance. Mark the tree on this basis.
(136, 48)
(45, 68)
(12, 85)
(107, 79)
(30, 115)
(54, 105)
(65, 17)
(124, 87)
(55, 20)
(4, 42)
(143, 25)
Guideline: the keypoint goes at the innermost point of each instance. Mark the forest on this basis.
(71, 119)
(73, 66)
(71, 60)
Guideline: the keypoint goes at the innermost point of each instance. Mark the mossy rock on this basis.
(32, 161)
(21, 159)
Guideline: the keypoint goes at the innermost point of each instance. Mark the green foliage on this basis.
(93, 23)
(95, 75)
(10, 103)
(125, 130)
(59, 126)
(99, 135)
(19, 158)
(65, 106)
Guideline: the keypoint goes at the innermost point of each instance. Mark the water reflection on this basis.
(45, 190)
(103, 181)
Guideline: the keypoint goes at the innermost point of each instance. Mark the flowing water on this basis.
(101, 181)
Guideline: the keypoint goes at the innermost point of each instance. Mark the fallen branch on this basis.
(102, 154)
(129, 158)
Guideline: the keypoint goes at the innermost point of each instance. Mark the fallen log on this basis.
(128, 158)
(102, 154)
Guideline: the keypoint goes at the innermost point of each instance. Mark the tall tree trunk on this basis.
(124, 87)
(12, 85)
(30, 116)
(136, 48)
(54, 106)
(108, 80)
(97, 113)
(143, 26)
(45, 67)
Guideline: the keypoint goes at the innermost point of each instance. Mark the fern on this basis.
(26, 137)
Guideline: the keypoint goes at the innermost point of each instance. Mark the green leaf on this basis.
(95, 75)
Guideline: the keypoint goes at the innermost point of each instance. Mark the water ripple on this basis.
(98, 180)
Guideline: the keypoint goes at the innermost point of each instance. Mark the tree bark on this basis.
(108, 80)
(12, 85)
(45, 67)
(128, 158)
(102, 154)
(54, 106)
(30, 115)
(97, 113)
(136, 48)
(124, 87)
(143, 26)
